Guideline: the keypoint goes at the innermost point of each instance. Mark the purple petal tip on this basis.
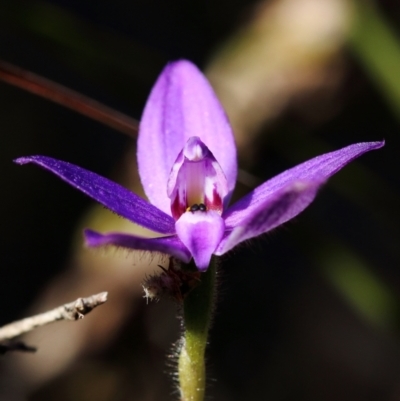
(378, 144)
(22, 160)
(92, 238)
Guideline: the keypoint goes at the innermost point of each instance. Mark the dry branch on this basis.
(71, 311)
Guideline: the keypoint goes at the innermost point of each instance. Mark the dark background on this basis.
(309, 312)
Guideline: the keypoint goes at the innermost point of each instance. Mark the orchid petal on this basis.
(274, 211)
(168, 245)
(112, 195)
(200, 232)
(181, 104)
(319, 168)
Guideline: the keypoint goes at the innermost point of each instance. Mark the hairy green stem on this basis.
(197, 312)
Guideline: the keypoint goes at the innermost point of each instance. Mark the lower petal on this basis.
(274, 211)
(168, 245)
(201, 232)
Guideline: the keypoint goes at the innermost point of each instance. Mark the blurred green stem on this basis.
(377, 47)
(197, 311)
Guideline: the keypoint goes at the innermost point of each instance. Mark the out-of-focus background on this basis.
(307, 312)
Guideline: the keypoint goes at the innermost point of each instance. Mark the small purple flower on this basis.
(187, 165)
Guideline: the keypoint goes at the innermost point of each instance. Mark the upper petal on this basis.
(317, 169)
(272, 212)
(112, 195)
(181, 104)
(200, 232)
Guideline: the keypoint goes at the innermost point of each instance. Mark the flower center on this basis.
(197, 182)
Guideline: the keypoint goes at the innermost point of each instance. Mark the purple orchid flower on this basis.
(187, 165)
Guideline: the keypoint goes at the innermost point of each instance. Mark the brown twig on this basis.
(57, 93)
(71, 311)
